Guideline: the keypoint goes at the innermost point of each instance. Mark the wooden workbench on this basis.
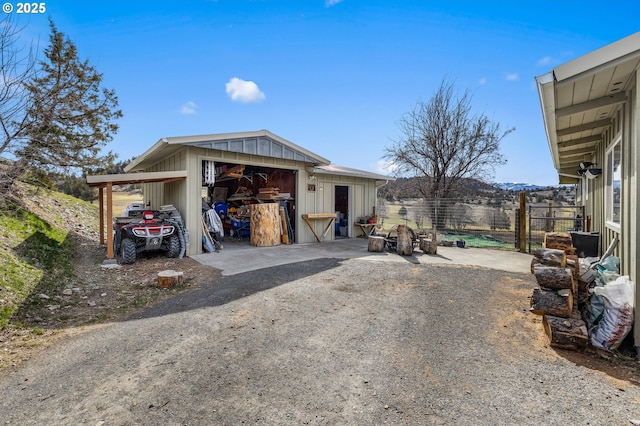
(319, 216)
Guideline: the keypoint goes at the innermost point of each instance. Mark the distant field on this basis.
(122, 200)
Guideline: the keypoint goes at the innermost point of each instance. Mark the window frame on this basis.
(613, 174)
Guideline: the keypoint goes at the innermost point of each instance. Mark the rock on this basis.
(67, 292)
(43, 296)
(91, 303)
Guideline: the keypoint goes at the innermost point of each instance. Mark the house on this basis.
(591, 117)
(251, 167)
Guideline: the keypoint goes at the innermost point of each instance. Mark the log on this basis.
(551, 257)
(574, 264)
(264, 223)
(554, 278)
(376, 244)
(559, 241)
(404, 245)
(428, 245)
(566, 333)
(551, 302)
(170, 278)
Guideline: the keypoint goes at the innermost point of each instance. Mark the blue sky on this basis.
(332, 76)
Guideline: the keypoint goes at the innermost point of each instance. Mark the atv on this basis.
(145, 231)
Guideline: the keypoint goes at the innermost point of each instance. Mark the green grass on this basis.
(37, 259)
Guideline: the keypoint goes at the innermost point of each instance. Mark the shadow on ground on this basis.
(233, 287)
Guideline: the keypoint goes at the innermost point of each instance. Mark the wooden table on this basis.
(319, 216)
(366, 228)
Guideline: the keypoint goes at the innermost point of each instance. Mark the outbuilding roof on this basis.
(261, 142)
(579, 99)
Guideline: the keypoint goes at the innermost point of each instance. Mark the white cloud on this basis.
(542, 62)
(188, 108)
(512, 77)
(329, 3)
(244, 91)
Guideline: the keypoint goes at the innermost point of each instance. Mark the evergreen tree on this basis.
(72, 117)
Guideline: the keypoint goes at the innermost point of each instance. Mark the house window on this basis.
(613, 184)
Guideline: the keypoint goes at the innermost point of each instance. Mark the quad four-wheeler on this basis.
(145, 231)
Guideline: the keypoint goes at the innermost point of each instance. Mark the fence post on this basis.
(522, 222)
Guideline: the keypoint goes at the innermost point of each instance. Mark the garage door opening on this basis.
(231, 188)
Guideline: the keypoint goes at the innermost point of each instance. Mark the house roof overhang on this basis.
(579, 100)
(261, 143)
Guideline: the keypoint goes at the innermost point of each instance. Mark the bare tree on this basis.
(17, 66)
(443, 141)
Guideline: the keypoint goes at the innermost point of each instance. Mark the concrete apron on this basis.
(238, 257)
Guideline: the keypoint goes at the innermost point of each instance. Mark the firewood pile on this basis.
(560, 293)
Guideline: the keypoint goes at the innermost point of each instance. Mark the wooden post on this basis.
(522, 222)
(101, 210)
(109, 220)
(264, 222)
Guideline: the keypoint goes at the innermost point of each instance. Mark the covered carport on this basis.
(105, 184)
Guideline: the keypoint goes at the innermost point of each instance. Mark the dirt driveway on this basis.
(325, 341)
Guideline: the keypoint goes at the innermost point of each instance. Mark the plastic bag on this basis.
(617, 319)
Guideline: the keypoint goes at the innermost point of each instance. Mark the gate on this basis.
(550, 218)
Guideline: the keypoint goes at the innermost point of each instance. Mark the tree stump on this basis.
(376, 244)
(551, 302)
(264, 223)
(170, 278)
(404, 245)
(554, 278)
(428, 245)
(566, 333)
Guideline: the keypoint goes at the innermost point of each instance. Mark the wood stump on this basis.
(428, 245)
(551, 302)
(264, 222)
(404, 245)
(566, 333)
(376, 244)
(170, 278)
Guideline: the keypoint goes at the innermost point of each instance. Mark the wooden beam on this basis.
(583, 127)
(604, 101)
(581, 141)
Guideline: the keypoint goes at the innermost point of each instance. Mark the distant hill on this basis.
(408, 188)
(512, 186)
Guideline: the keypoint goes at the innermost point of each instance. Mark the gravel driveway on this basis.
(325, 341)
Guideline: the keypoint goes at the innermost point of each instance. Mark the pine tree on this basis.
(72, 117)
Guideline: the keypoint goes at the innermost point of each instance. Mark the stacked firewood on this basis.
(557, 273)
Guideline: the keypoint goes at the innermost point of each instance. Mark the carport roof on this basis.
(579, 99)
(261, 142)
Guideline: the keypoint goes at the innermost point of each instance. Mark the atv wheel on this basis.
(128, 252)
(173, 246)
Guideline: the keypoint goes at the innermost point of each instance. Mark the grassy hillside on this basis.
(35, 244)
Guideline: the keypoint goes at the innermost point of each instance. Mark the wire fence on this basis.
(482, 222)
(478, 222)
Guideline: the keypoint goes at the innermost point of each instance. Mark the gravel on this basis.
(323, 342)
